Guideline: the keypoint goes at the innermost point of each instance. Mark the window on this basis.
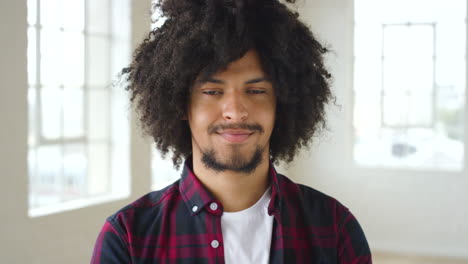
(78, 127)
(409, 84)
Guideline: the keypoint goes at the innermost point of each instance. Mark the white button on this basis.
(213, 206)
(215, 243)
(195, 208)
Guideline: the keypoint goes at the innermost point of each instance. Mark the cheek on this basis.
(201, 117)
(266, 117)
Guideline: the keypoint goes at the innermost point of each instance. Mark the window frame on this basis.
(117, 186)
(352, 102)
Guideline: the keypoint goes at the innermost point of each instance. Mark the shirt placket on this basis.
(215, 236)
(277, 242)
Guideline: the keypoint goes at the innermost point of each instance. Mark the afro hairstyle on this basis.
(200, 38)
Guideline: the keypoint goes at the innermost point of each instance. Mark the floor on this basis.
(386, 258)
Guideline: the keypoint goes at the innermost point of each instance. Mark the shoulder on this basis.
(304, 193)
(150, 207)
(323, 220)
(313, 204)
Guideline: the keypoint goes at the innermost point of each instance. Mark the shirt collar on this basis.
(197, 198)
(276, 192)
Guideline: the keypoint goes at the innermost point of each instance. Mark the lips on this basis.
(235, 135)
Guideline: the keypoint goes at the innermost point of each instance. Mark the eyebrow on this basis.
(217, 81)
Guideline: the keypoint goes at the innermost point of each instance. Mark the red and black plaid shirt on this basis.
(178, 225)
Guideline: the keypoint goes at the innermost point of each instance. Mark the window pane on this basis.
(75, 171)
(52, 68)
(73, 14)
(62, 57)
(70, 141)
(98, 177)
(367, 113)
(408, 111)
(51, 13)
(119, 47)
(409, 84)
(67, 14)
(98, 17)
(408, 65)
(119, 113)
(51, 112)
(98, 114)
(49, 175)
(73, 59)
(119, 15)
(73, 109)
(98, 62)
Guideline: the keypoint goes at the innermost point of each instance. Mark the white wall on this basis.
(66, 237)
(400, 211)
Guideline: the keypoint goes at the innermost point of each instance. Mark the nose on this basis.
(234, 109)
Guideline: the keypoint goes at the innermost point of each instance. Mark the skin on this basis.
(218, 109)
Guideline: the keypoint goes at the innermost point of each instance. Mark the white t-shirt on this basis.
(247, 233)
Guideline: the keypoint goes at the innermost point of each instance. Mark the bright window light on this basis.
(409, 84)
(78, 129)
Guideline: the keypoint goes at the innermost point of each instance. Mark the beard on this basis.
(236, 163)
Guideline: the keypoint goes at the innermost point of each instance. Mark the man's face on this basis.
(231, 116)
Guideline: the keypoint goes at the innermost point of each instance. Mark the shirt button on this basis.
(213, 206)
(215, 243)
(195, 208)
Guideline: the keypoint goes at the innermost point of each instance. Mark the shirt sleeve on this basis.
(352, 244)
(110, 246)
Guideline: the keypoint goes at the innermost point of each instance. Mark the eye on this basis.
(256, 91)
(212, 92)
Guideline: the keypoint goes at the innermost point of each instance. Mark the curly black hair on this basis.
(200, 38)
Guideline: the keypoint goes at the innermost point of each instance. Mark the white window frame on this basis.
(351, 154)
(118, 149)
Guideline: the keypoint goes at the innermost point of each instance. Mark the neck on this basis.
(236, 191)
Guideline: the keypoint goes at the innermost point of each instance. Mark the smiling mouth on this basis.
(235, 135)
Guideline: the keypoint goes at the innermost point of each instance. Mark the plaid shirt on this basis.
(181, 224)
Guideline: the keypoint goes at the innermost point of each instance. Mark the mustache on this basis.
(252, 127)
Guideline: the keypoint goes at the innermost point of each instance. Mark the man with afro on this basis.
(229, 88)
